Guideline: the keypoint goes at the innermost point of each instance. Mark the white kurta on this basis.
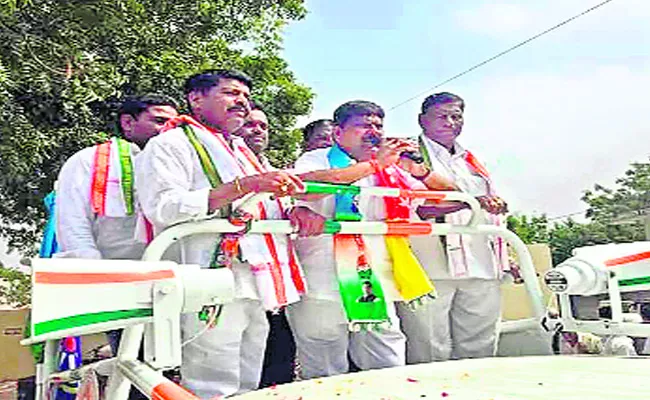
(80, 232)
(228, 358)
(429, 250)
(318, 322)
(461, 322)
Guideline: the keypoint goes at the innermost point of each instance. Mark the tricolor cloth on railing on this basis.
(87, 298)
(278, 275)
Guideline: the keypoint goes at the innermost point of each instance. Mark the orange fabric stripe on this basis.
(276, 271)
(628, 259)
(296, 277)
(422, 194)
(474, 163)
(80, 278)
(100, 178)
(295, 270)
(408, 228)
(170, 391)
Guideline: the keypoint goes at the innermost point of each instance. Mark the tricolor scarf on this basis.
(112, 185)
(456, 243)
(353, 267)
(412, 281)
(278, 276)
(112, 163)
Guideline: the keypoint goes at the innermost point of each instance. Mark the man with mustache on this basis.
(317, 134)
(319, 322)
(279, 359)
(198, 168)
(466, 269)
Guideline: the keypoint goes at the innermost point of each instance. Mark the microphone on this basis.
(413, 155)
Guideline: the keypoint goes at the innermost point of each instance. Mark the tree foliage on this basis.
(65, 63)
(615, 216)
(15, 287)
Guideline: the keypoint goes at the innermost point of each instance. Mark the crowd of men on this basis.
(296, 296)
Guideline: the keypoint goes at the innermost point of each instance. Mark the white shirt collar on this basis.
(442, 150)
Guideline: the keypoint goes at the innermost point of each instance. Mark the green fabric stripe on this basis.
(328, 188)
(332, 227)
(634, 281)
(209, 169)
(424, 152)
(76, 321)
(124, 151)
(207, 164)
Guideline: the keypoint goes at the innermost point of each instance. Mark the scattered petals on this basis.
(444, 394)
(411, 380)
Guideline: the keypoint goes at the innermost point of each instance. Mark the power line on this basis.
(482, 63)
(566, 215)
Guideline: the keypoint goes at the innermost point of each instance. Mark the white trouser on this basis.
(320, 328)
(226, 359)
(460, 323)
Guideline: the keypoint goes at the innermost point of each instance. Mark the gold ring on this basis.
(284, 188)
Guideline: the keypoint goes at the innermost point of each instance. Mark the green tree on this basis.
(622, 210)
(65, 63)
(530, 230)
(615, 216)
(568, 235)
(15, 287)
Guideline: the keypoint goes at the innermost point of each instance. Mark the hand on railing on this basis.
(493, 204)
(328, 188)
(307, 222)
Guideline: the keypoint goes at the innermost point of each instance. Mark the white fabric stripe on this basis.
(381, 191)
(363, 229)
(51, 302)
(73, 265)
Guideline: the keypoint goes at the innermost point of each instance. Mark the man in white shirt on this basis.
(318, 134)
(279, 358)
(319, 323)
(466, 269)
(198, 168)
(86, 231)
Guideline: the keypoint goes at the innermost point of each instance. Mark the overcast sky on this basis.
(549, 119)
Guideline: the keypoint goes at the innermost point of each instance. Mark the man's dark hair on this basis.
(136, 105)
(309, 129)
(442, 98)
(367, 283)
(256, 105)
(206, 80)
(356, 108)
